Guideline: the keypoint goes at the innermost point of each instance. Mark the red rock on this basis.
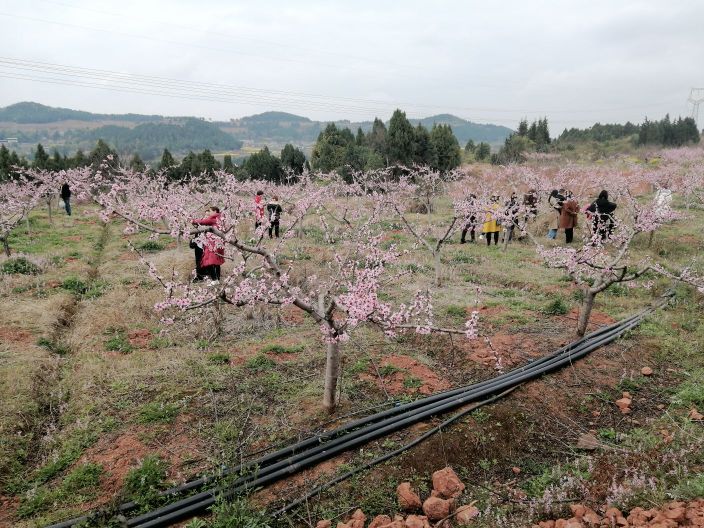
(578, 510)
(588, 442)
(695, 415)
(417, 521)
(446, 482)
(436, 508)
(646, 371)
(574, 523)
(359, 515)
(591, 518)
(516, 470)
(395, 524)
(675, 511)
(324, 524)
(408, 500)
(379, 521)
(465, 514)
(546, 524)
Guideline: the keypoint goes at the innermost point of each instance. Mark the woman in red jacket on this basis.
(213, 250)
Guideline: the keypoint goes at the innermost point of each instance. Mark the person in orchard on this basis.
(213, 250)
(602, 216)
(568, 217)
(258, 209)
(492, 226)
(274, 210)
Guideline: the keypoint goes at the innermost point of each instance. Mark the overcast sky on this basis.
(575, 61)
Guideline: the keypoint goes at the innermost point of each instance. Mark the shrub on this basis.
(20, 266)
(556, 307)
(237, 513)
(142, 485)
(83, 477)
(457, 311)
(74, 285)
(53, 346)
(151, 245)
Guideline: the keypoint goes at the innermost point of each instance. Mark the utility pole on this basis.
(696, 96)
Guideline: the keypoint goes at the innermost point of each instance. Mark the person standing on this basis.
(556, 201)
(213, 249)
(471, 225)
(274, 209)
(568, 217)
(602, 215)
(193, 244)
(491, 224)
(258, 209)
(511, 215)
(66, 197)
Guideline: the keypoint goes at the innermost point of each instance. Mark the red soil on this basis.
(410, 368)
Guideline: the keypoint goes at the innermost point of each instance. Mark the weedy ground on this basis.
(101, 404)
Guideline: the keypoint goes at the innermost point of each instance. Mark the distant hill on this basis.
(28, 112)
(465, 130)
(282, 127)
(67, 130)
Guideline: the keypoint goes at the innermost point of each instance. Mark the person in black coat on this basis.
(274, 210)
(602, 215)
(66, 197)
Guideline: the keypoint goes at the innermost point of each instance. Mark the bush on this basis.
(151, 245)
(53, 346)
(142, 485)
(84, 477)
(238, 514)
(556, 307)
(74, 285)
(20, 266)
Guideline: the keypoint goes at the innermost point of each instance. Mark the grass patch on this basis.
(260, 362)
(20, 266)
(219, 359)
(158, 412)
(282, 349)
(456, 311)
(412, 382)
(53, 346)
(118, 342)
(691, 392)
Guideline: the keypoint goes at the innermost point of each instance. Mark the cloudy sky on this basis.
(576, 61)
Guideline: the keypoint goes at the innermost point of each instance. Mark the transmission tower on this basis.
(696, 96)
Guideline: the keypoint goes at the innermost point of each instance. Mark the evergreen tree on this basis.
(41, 158)
(424, 152)
(446, 146)
(533, 132)
(4, 163)
(79, 160)
(100, 154)
(293, 159)
(400, 139)
(167, 160)
(523, 127)
(263, 165)
(470, 147)
(227, 164)
(360, 139)
(376, 139)
(136, 164)
(483, 151)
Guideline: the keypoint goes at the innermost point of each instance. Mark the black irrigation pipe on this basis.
(388, 456)
(320, 447)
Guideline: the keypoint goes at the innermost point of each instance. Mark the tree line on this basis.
(338, 149)
(665, 132)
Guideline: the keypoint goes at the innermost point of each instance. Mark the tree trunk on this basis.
(332, 373)
(438, 268)
(6, 246)
(299, 232)
(504, 246)
(48, 203)
(585, 311)
(650, 239)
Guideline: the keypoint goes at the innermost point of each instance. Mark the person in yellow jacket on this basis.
(491, 223)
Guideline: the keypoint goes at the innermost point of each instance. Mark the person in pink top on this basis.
(258, 209)
(213, 251)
